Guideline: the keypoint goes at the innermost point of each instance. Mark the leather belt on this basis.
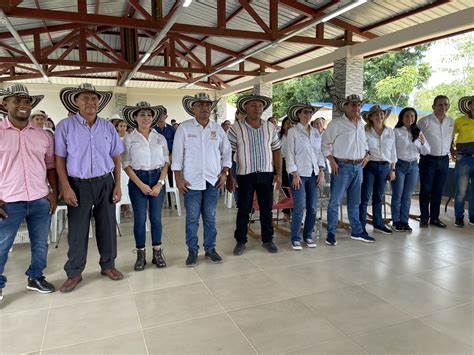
(349, 161)
(90, 179)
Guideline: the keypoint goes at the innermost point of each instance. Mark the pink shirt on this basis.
(25, 157)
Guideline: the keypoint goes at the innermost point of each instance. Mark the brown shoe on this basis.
(112, 274)
(70, 284)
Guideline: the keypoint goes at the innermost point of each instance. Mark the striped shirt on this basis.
(253, 146)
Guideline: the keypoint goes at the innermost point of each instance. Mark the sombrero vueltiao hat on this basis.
(129, 111)
(189, 101)
(463, 104)
(243, 100)
(376, 108)
(340, 103)
(68, 96)
(38, 113)
(294, 109)
(19, 90)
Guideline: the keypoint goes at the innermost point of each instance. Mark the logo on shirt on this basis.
(213, 135)
(190, 135)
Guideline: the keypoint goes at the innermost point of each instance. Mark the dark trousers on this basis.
(433, 175)
(262, 184)
(97, 194)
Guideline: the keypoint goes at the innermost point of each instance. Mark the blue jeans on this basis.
(141, 202)
(402, 189)
(464, 173)
(349, 179)
(305, 196)
(38, 220)
(375, 178)
(199, 202)
(433, 176)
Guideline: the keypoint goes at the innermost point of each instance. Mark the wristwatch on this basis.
(162, 182)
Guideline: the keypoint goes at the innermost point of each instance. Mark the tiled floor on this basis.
(406, 294)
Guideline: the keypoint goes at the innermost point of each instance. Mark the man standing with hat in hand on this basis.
(344, 144)
(257, 147)
(88, 150)
(201, 162)
(26, 161)
(464, 155)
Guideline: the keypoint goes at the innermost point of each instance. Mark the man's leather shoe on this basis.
(112, 274)
(70, 284)
(423, 224)
(270, 246)
(239, 249)
(438, 223)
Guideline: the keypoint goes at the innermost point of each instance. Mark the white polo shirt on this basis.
(303, 151)
(200, 152)
(344, 140)
(438, 135)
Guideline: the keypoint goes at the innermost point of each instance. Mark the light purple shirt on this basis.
(88, 150)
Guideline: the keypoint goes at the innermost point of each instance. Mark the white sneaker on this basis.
(296, 245)
(310, 243)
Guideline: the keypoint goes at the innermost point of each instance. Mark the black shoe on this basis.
(40, 285)
(239, 249)
(192, 258)
(407, 228)
(141, 260)
(331, 239)
(383, 230)
(398, 227)
(270, 246)
(158, 258)
(212, 254)
(459, 222)
(423, 224)
(438, 223)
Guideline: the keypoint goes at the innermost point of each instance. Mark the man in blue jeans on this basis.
(201, 162)
(344, 143)
(464, 155)
(26, 163)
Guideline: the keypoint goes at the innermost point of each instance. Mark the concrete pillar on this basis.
(120, 102)
(348, 79)
(264, 89)
(220, 111)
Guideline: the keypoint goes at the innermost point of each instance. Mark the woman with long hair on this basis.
(283, 134)
(379, 168)
(410, 143)
(146, 162)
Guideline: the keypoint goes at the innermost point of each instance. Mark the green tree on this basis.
(461, 72)
(396, 89)
(388, 64)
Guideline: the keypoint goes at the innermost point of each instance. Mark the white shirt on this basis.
(406, 149)
(200, 152)
(283, 142)
(438, 135)
(382, 148)
(145, 154)
(344, 140)
(303, 152)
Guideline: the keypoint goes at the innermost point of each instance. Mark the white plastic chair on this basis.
(125, 200)
(174, 190)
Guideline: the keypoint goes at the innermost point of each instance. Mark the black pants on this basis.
(97, 194)
(261, 183)
(433, 175)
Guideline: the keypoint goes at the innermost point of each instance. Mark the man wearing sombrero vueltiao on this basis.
(464, 155)
(26, 161)
(88, 150)
(344, 144)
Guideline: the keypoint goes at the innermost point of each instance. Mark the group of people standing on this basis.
(88, 156)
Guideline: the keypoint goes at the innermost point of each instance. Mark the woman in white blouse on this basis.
(305, 165)
(410, 143)
(283, 134)
(380, 167)
(146, 162)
